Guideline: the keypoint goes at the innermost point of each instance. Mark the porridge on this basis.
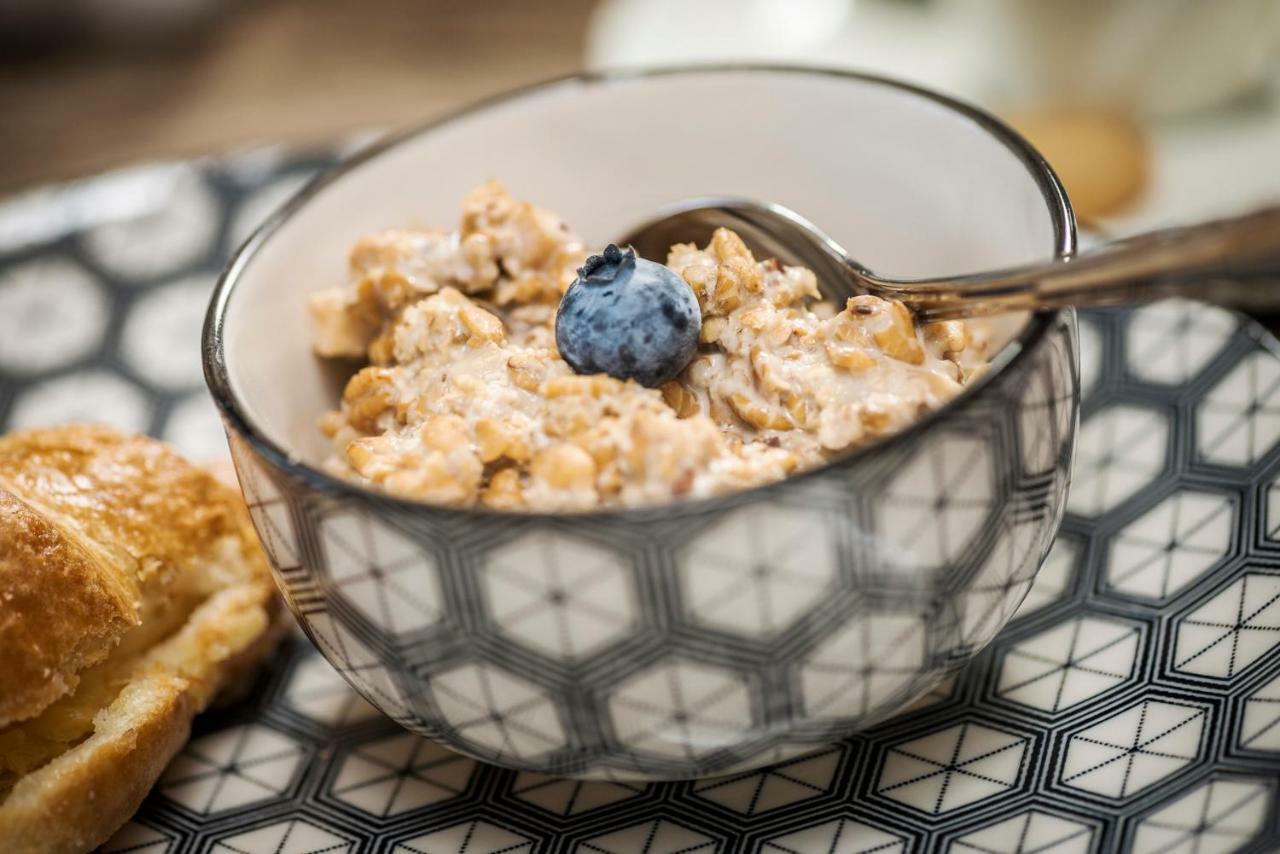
(466, 401)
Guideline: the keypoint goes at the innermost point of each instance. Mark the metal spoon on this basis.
(1225, 261)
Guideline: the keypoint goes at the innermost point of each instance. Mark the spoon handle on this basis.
(1233, 261)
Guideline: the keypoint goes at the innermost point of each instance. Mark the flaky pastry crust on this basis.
(132, 590)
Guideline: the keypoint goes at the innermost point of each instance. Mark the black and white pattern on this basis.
(1132, 703)
(232, 768)
(1070, 662)
(561, 597)
(688, 643)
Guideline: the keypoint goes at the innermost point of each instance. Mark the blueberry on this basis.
(628, 318)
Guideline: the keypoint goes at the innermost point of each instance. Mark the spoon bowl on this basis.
(769, 230)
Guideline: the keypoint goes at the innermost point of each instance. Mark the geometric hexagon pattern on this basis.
(775, 787)
(136, 838)
(1044, 415)
(854, 671)
(1273, 510)
(651, 837)
(759, 570)
(1260, 729)
(1232, 631)
(778, 755)
(1031, 831)
(1069, 663)
(842, 836)
(1238, 421)
(1220, 815)
(988, 601)
(1120, 450)
(502, 715)
(398, 774)
(680, 708)
(953, 768)
(565, 797)
(358, 664)
(319, 693)
(1171, 532)
(472, 837)
(381, 573)
(559, 596)
(269, 510)
(232, 768)
(1053, 579)
(940, 693)
(935, 504)
(292, 836)
(1173, 341)
(1171, 545)
(1134, 749)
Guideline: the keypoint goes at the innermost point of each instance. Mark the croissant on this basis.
(132, 589)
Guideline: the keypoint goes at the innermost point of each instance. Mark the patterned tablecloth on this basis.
(1132, 704)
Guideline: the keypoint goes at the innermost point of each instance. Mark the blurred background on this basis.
(1153, 110)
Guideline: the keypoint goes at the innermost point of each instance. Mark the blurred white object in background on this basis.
(1165, 61)
(936, 44)
(1151, 57)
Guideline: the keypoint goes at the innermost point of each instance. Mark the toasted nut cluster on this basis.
(466, 402)
(515, 253)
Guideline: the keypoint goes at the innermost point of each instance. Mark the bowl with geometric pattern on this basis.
(693, 638)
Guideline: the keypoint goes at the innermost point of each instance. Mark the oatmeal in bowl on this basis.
(466, 400)
(587, 514)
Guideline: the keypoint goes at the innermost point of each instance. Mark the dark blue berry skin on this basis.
(628, 318)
